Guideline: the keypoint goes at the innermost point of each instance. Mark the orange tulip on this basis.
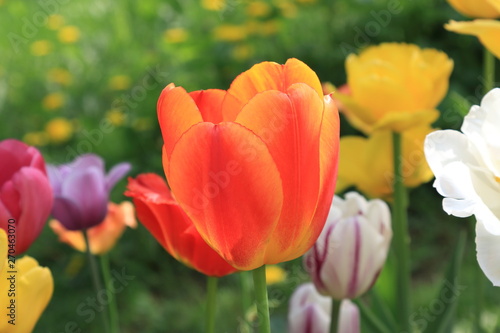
(103, 236)
(253, 167)
(162, 216)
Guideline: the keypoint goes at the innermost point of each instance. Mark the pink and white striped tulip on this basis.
(349, 254)
(310, 312)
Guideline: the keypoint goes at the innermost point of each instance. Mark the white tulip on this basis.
(467, 169)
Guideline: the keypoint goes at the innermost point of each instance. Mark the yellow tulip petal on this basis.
(390, 79)
(477, 8)
(488, 32)
(34, 286)
(367, 163)
(3, 248)
(399, 122)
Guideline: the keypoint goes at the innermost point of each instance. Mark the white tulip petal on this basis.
(349, 318)
(444, 147)
(488, 248)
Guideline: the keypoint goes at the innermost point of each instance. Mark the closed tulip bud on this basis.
(351, 250)
(25, 193)
(311, 312)
(81, 190)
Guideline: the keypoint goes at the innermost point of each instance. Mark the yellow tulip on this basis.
(102, 237)
(488, 32)
(32, 291)
(477, 8)
(394, 86)
(367, 163)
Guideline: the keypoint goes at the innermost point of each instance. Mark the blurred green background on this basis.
(79, 77)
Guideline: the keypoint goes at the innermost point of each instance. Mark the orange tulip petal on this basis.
(171, 227)
(209, 103)
(176, 113)
(272, 76)
(228, 184)
(289, 124)
(329, 156)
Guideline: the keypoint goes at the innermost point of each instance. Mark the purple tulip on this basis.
(310, 312)
(351, 250)
(25, 193)
(81, 190)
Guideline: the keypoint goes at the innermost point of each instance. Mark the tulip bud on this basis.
(351, 250)
(311, 312)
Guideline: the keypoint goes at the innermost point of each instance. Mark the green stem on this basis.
(113, 309)
(96, 279)
(334, 324)
(488, 70)
(211, 304)
(246, 301)
(401, 238)
(259, 281)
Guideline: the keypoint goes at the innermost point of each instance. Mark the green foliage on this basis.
(106, 82)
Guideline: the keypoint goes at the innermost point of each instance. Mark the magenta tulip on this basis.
(25, 193)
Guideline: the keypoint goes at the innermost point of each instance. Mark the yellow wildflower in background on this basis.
(175, 35)
(230, 33)
(53, 101)
(268, 28)
(487, 31)
(55, 21)
(275, 274)
(477, 8)
(116, 117)
(142, 124)
(59, 75)
(394, 86)
(288, 9)
(258, 9)
(59, 130)
(41, 47)
(367, 163)
(242, 52)
(214, 5)
(119, 82)
(69, 34)
(34, 289)
(36, 138)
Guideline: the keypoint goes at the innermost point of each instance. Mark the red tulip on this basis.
(25, 193)
(254, 167)
(171, 227)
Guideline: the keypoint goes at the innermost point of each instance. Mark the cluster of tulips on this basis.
(252, 172)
